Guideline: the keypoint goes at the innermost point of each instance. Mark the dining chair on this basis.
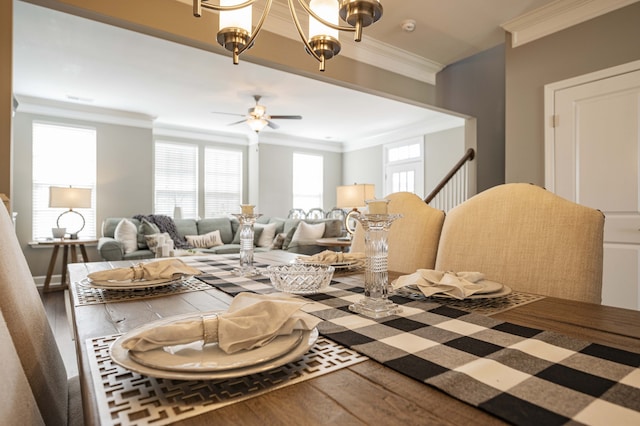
(17, 404)
(413, 239)
(57, 398)
(529, 239)
(296, 214)
(315, 213)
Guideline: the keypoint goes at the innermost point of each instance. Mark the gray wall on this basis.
(475, 86)
(600, 43)
(442, 150)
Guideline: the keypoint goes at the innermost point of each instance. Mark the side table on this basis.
(341, 243)
(69, 246)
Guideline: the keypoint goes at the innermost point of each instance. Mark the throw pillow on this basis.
(288, 237)
(146, 228)
(257, 232)
(307, 232)
(268, 234)
(211, 239)
(156, 240)
(127, 233)
(278, 241)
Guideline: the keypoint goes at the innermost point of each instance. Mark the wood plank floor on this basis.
(54, 304)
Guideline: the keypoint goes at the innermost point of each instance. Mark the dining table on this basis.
(363, 370)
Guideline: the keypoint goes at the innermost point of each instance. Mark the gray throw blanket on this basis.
(166, 224)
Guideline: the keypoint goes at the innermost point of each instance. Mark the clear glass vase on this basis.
(246, 268)
(375, 303)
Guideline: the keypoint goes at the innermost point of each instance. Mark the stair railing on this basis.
(453, 188)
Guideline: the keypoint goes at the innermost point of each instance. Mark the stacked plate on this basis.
(197, 362)
(491, 289)
(129, 284)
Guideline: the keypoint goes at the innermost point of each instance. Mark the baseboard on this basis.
(55, 280)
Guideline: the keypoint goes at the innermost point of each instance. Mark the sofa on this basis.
(284, 236)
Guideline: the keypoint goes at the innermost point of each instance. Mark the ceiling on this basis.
(63, 58)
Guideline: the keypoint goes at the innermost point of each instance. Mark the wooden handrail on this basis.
(468, 156)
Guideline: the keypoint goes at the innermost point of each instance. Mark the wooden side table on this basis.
(69, 247)
(341, 243)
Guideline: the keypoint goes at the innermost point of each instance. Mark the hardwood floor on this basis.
(54, 304)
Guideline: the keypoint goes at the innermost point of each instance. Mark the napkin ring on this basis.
(210, 328)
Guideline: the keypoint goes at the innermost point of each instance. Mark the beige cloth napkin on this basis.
(251, 321)
(329, 257)
(455, 284)
(169, 268)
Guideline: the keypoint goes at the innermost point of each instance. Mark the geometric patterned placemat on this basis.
(128, 398)
(83, 295)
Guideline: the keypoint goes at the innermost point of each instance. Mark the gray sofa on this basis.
(112, 250)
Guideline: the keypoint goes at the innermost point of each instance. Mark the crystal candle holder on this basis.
(246, 268)
(375, 303)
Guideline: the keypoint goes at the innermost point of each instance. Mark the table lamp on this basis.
(352, 197)
(71, 198)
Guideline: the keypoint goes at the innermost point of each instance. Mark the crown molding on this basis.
(420, 129)
(169, 131)
(296, 142)
(73, 111)
(557, 16)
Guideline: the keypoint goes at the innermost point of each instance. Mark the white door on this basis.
(594, 151)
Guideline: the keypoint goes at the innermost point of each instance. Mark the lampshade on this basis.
(70, 198)
(350, 196)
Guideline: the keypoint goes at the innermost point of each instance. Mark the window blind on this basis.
(307, 181)
(176, 178)
(222, 181)
(62, 156)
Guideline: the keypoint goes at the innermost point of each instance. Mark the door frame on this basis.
(549, 111)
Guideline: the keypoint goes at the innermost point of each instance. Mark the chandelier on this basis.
(236, 35)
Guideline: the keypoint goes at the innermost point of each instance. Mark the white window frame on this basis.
(169, 182)
(307, 191)
(406, 165)
(58, 162)
(223, 184)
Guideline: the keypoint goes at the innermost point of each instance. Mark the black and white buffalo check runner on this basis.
(523, 375)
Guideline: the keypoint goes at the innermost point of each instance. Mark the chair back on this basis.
(17, 405)
(528, 238)
(315, 213)
(29, 328)
(413, 239)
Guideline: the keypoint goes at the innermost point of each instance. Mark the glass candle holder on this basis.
(246, 268)
(375, 303)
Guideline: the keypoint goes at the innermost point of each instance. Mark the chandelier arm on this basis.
(306, 7)
(258, 26)
(301, 33)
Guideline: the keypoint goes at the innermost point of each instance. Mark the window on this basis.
(62, 156)
(222, 181)
(307, 181)
(176, 178)
(404, 167)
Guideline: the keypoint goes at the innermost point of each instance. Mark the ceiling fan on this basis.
(257, 117)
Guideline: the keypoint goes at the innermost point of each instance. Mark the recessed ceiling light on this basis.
(408, 25)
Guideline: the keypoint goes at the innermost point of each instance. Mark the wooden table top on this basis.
(365, 393)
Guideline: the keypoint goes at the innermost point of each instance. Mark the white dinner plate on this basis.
(337, 265)
(196, 358)
(502, 292)
(130, 284)
(120, 356)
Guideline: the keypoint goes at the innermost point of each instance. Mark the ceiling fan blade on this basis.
(272, 124)
(237, 122)
(285, 117)
(228, 113)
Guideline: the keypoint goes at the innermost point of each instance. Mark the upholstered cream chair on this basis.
(32, 337)
(413, 239)
(17, 405)
(529, 239)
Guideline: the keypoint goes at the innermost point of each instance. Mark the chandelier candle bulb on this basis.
(247, 208)
(377, 206)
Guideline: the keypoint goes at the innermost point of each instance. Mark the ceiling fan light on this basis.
(327, 10)
(257, 124)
